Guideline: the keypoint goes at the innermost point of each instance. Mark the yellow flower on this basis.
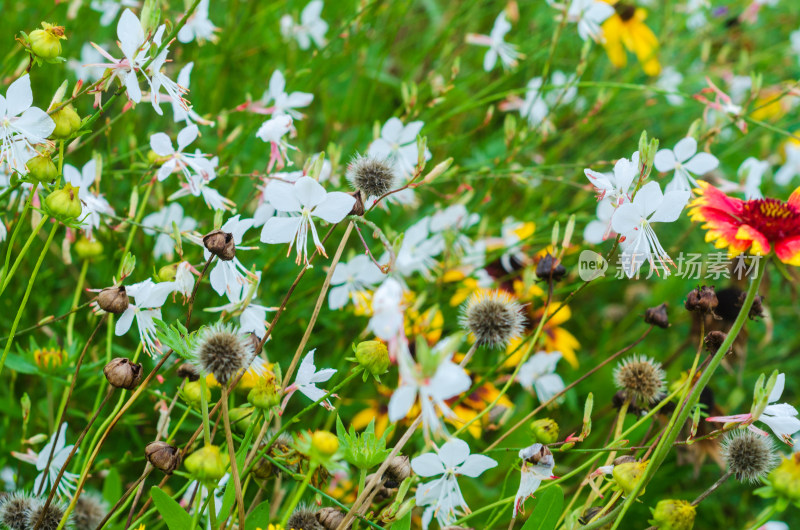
(770, 106)
(625, 29)
(428, 324)
(49, 358)
(476, 402)
(554, 337)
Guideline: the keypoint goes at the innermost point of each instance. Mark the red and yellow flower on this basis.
(758, 225)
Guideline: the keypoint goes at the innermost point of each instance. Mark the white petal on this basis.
(702, 163)
(130, 34)
(626, 218)
(132, 85)
(19, 96)
(427, 465)
(475, 465)
(410, 132)
(309, 192)
(685, 148)
(777, 390)
(277, 83)
(36, 124)
(392, 130)
(281, 195)
(187, 136)
(401, 402)
(648, 198)
(335, 206)
(671, 207)
(454, 452)
(338, 296)
(782, 425)
(280, 230)
(664, 160)
(161, 144)
(125, 321)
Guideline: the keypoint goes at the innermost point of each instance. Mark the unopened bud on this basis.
(221, 244)
(544, 431)
(673, 514)
(113, 300)
(46, 42)
(122, 373)
(657, 316)
(240, 418)
(167, 272)
(67, 122)
(163, 456)
(756, 310)
(628, 474)
(64, 203)
(325, 443)
(206, 464)
(265, 394)
(437, 170)
(88, 248)
(550, 268)
(373, 356)
(192, 392)
(42, 168)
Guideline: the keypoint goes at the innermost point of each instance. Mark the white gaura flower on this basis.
(134, 50)
(229, 276)
(589, 15)
(282, 102)
(418, 250)
(307, 198)
(387, 315)
(751, 171)
(176, 159)
(88, 56)
(634, 219)
(537, 465)
(94, 204)
(497, 46)
(159, 79)
(351, 280)
(306, 382)
(539, 374)
(47, 475)
(597, 231)
(398, 144)
(791, 168)
(670, 79)
(22, 125)
(442, 496)
(272, 131)
(199, 27)
(615, 186)
(536, 106)
(163, 219)
(433, 383)
(311, 26)
(686, 162)
(184, 278)
(252, 316)
(198, 185)
(179, 111)
(109, 9)
(148, 297)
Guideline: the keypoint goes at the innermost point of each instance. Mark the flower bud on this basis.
(122, 373)
(67, 122)
(550, 269)
(702, 299)
(325, 443)
(163, 456)
(206, 464)
(673, 514)
(330, 518)
(42, 168)
(657, 316)
(221, 244)
(544, 431)
(88, 248)
(64, 203)
(628, 474)
(192, 391)
(167, 272)
(265, 394)
(785, 478)
(373, 356)
(589, 514)
(113, 299)
(240, 418)
(46, 42)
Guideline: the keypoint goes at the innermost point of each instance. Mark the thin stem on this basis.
(204, 410)
(75, 298)
(298, 494)
(17, 228)
(237, 484)
(122, 499)
(10, 273)
(713, 487)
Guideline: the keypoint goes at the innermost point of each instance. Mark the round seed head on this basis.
(223, 351)
(641, 379)
(304, 519)
(15, 510)
(372, 176)
(493, 319)
(750, 456)
(89, 511)
(50, 517)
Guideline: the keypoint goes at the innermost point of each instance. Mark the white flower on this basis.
(670, 80)
(497, 46)
(163, 219)
(537, 465)
(539, 373)
(306, 382)
(198, 184)
(252, 316)
(791, 168)
(228, 276)
(536, 106)
(109, 9)
(283, 103)
(752, 171)
(418, 249)
(311, 26)
(176, 159)
(615, 186)
(273, 131)
(598, 230)
(47, 475)
(21, 125)
(309, 199)
(588, 14)
(350, 281)
(184, 279)
(94, 204)
(446, 381)
(159, 79)
(198, 27)
(633, 220)
(685, 163)
(780, 417)
(179, 110)
(148, 297)
(387, 314)
(398, 144)
(442, 496)
(81, 66)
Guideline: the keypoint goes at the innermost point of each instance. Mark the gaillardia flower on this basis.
(759, 225)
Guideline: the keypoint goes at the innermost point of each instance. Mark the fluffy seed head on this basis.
(89, 511)
(372, 176)
(15, 510)
(493, 318)
(50, 517)
(304, 519)
(750, 456)
(223, 351)
(641, 378)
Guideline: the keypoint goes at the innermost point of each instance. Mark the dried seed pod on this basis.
(330, 518)
(221, 244)
(113, 299)
(756, 310)
(122, 373)
(713, 340)
(358, 206)
(549, 268)
(399, 469)
(163, 456)
(702, 299)
(188, 371)
(89, 511)
(657, 316)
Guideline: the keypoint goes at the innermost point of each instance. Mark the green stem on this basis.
(298, 494)
(10, 273)
(27, 295)
(204, 410)
(765, 515)
(19, 224)
(75, 298)
(665, 444)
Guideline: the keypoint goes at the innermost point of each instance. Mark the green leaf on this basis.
(547, 511)
(175, 336)
(259, 517)
(403, 524)
(172, 513)
(112, 486)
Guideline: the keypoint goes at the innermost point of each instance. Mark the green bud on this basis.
(627, 475)
(265, 394)
(46, 42)
(544, 431)
(167, 272)
(325, 443)
(373, 356)
(192, 391)
(64, 203)
(241, 417)
(88, 249)
(42, 168)
(206, 464)
(67, 122)
(785, 478)
(672, 514)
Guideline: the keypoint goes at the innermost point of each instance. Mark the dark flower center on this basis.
(775, 219)
(625, 11)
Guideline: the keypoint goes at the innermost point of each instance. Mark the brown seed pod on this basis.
(188, 371)
(221, 244)
(113, 299)
(122, 373)
(330, 518)
(163, 456)
(702, 299)
(657, 316)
